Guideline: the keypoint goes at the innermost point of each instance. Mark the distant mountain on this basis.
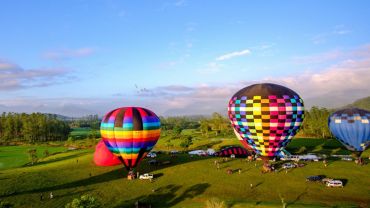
(60, 117)
(363, 103)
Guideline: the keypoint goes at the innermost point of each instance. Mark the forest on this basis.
(38, 127)
(31, 128)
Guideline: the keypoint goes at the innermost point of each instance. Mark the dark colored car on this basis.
(153, 162)
(315, 178)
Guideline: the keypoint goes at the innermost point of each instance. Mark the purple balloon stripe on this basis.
(131, 144)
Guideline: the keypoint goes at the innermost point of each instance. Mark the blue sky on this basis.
(178, 57)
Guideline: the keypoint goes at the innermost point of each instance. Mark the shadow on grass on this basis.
(297, 198)
(105, 177)
(258, 184)
(119, 173)
(56, 159)
(318, 146)
(166, 196)
(73, 193)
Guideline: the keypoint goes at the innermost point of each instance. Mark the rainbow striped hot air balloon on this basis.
(130, 133)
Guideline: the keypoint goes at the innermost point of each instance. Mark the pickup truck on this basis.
(146, 176)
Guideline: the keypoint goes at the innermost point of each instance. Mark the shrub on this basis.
(85, 201)
(215, 203)
(5, 204)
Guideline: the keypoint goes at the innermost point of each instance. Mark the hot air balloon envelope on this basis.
(265, 117)
(130, 133)
(351, 127)
(103, 157)
(238, 152)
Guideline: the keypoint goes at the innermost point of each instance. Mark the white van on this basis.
(334, 183)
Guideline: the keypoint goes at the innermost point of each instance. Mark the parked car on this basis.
(288, 165)
(334, 183)
(173, 152)
(151, 154)
(310, 157)
(347, 158)
(153, 162)
(167, 162)
(314, 178)
(198, 152)
(326, 180)
(146, 176)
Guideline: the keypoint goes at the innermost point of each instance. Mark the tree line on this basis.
(315, 124)
(35, 127)
(90, 121)
(38, 127)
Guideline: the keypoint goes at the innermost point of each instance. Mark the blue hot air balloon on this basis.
(352, 128)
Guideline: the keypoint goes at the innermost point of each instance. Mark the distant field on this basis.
(15, 156)
(81, 133)
(187, 182)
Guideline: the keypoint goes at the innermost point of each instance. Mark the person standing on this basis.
(51, 195)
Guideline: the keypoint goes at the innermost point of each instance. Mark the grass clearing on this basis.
(186, 182)
(15, 156)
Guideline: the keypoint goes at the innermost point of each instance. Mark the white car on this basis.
(347, 158)
(334, 183)
(288, 165)
(151, 154)
(198, 152)
(146, 176)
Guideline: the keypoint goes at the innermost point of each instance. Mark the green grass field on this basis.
(187, 182)
(16, 156)
(81, 133)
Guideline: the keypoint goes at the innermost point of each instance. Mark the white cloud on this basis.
(335, 85)
(319, 58)
(233, 55)
(13, 77)
(68, 53)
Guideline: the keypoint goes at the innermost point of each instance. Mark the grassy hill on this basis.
(363, 103)
(187, 182)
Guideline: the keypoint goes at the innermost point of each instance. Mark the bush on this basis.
(46, 153)
(86, 201)
(215, 203)
(5, 204)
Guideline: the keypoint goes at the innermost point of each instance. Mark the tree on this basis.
(32, 155)
(85, 201)
(177, 130)
(204, 127)
(168, 144)
(46, 153)
(186, 142)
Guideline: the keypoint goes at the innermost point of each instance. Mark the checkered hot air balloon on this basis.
(265, 117)
(351, 127)
(130, 133)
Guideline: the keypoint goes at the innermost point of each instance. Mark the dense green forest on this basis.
(315, 124)
(90, 121)
(38, 127)
(35, 127)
